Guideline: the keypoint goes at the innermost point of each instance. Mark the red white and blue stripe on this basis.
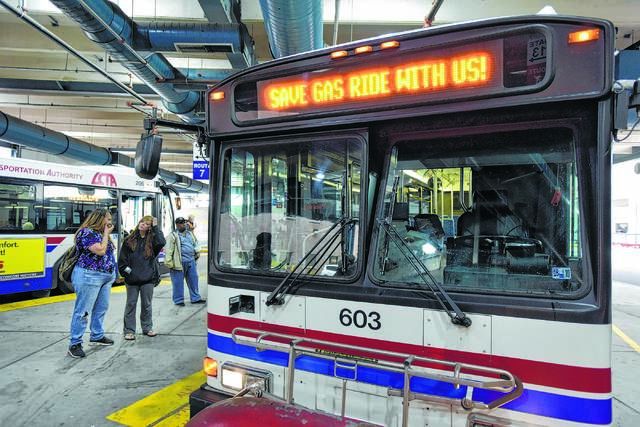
(574, 393)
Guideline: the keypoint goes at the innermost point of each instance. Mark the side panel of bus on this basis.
(38, 221)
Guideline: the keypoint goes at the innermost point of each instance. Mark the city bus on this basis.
(43, 204)
(414, 230)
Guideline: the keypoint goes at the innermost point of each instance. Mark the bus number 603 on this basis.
(360, 319)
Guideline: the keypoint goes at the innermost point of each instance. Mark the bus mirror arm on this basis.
(627, 96)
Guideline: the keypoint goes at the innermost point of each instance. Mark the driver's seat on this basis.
(491, 216)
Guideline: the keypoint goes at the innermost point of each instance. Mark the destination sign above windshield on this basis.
(382, 78)
(411, 77)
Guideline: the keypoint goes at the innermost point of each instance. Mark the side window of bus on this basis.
(280, 202)
(19, 210)
(66, 207)
(493, 213)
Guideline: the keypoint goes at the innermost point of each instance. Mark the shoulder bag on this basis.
(67, 263)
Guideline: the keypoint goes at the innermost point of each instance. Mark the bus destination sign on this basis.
(410, 75)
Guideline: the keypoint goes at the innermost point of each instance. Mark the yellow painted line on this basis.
(631, 343)
(57, 298)
(167, 407)
(179, 418)
(36, 302)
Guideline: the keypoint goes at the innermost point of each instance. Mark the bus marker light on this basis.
(210, 367)
(339, 54)
(217, 96)
(389, 45)
(364, 49)
(584, 35)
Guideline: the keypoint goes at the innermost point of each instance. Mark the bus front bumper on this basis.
(203, 397)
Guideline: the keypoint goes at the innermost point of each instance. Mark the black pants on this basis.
(146, 295)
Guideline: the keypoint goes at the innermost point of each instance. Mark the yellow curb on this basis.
(57, 298)
(166, 407)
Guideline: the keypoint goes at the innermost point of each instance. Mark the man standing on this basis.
(181, 254)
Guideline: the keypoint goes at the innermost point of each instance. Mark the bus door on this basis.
(166, 218)
(133, 206)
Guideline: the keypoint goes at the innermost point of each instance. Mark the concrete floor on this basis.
(625, 359)
(41, 386)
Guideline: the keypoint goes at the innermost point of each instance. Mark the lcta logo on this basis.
(104, 179)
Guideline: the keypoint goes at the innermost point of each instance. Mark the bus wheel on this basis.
(65, 287)
(41, 294)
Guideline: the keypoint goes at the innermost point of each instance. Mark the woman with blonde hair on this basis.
(138, 265)
(92, 277)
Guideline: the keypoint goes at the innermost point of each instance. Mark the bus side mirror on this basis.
(147, 161)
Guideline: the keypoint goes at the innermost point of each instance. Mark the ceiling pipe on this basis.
(107, 25)
(205, 75)
(35, 24)
(65, 87)
(221, 10)
(164, 36)
(17, 131)
(431, 16)
(336, 19)
(292, 26)
(232, 39)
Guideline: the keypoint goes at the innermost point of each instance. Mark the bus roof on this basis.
(101, 176)
(418, 32)
(471, 66)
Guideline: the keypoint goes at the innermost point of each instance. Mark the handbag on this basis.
(67, 263)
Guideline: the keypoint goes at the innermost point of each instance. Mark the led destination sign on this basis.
(411, 77)
(413, 73)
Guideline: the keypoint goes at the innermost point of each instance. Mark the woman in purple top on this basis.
(92, 277)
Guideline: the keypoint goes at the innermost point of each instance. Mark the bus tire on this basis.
(43, 293)
(65, 287)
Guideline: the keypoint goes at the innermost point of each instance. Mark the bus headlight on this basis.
(238, 377)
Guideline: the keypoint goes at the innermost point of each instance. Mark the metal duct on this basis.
(17, 131)
(207, 75)
(187, 37)
(292, 26)
(158, 36)
(103, 22)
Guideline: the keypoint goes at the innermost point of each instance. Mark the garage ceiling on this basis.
(41, 83)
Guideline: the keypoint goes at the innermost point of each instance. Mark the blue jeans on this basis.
(177, 280)
(92, 296)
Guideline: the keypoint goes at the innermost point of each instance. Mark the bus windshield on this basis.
(279, 199)
(492, 213)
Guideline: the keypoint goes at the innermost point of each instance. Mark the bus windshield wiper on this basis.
(312, 260)
(391, 234)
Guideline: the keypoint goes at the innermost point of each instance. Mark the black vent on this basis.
(203, 48)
